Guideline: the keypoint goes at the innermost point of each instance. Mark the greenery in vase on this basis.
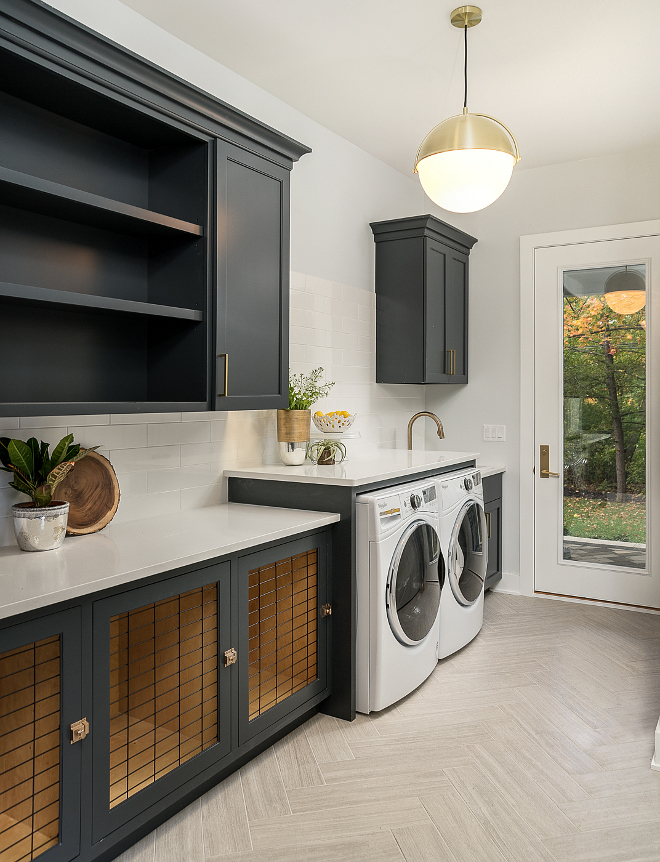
(306, 389)
(36, 472)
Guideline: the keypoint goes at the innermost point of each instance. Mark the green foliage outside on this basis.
(604, 420)
(602, 519)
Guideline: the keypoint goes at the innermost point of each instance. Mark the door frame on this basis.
(528, 247)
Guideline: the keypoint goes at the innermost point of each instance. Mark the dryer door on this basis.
(414, 582)
(468, 553)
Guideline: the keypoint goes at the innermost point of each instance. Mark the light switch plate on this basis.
(495, 433)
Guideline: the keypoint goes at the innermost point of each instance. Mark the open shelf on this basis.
(48, 198)
(28, 295)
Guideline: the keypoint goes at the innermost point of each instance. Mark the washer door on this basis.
(468, 554)
(414, 583)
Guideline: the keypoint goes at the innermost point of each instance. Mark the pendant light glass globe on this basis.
(465, 162)
(625, 291)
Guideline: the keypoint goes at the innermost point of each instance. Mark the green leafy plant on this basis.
(306, 389)
(36, 472)
(325, 451)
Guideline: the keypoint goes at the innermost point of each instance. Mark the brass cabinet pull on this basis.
(224, 356)
(544, 462)
(451, 362)
(231, 656)
(488, 522)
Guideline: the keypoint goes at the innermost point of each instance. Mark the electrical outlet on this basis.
(495, 433)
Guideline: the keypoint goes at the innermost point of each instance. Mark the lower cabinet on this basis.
(187, 676)
(492, 486)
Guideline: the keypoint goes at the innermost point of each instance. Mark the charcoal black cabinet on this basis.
(180, 680)
(421, 301)
(144, 227)
(492, 486)
(252, 321)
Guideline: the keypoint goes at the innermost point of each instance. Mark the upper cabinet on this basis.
(421, 301)
(144, 229)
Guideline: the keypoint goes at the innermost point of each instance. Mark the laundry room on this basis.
(326, 456)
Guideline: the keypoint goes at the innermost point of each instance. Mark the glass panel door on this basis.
(414, 584)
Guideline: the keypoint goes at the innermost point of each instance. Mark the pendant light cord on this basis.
(465, 68)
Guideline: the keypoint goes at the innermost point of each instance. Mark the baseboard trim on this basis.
(508, 584)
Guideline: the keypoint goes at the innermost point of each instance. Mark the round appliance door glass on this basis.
(413, 587)
(468, 554)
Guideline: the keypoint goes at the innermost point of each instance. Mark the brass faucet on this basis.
(441, 432)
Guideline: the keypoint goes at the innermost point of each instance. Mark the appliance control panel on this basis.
(455, 488)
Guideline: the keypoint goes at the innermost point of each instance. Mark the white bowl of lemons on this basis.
(335, 422)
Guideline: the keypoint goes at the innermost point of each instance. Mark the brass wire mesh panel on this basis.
(282, 630)
(163, 688)
(29, 750)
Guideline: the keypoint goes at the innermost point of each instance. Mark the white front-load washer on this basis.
(400, 574)
(464, 547)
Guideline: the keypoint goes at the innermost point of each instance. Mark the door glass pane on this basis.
(604, 457)
(29, 750)
(163, 688)
(417, 589)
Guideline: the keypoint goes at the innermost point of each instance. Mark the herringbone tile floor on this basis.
(532, 744)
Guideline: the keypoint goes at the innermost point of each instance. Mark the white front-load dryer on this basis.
(465, 549)
(400, 573)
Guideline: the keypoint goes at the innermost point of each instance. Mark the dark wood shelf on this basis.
(53, 199)
(28, 295)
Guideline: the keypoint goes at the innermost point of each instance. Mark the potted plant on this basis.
(293, 424)
(324, 452)
(40, 525)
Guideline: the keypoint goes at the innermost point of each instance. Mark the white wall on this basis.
(614, 189)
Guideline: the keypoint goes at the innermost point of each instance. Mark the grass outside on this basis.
(601, 519)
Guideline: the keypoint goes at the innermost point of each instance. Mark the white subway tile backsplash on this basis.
(145, 418)
(110, 436)
(8, 423)
(166, 462)
(169, 433)
(148, 458)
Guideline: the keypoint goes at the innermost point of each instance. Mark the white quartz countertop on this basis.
(122, 553)
(490, 471)
(360, 469)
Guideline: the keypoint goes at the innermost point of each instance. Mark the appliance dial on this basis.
(415, 501)
(468, 483)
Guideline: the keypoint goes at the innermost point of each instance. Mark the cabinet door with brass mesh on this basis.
(39, 768)
(164, 714)
(283, 635)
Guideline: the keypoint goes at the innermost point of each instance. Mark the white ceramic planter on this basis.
(40, 529)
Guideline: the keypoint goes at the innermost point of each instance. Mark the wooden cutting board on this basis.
(92, 491)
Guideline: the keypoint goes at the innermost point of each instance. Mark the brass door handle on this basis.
(224, 356)
(544, 463)
(451, 362)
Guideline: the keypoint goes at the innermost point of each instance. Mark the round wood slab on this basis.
(92, 490)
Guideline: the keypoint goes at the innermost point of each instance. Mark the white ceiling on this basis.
(571, 79)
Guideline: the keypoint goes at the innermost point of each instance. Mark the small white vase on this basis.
(40, 529)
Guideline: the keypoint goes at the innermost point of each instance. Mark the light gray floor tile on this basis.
(624, 810)
(577, 730)
(508, 830)
(423, 844)
(460, 829)
(224, 820)
(326, 739)
(263, 787)
(361, 728)
(143, 851)
(181, 836)
(624, 756)
(297, 762)
(639, 843)
(308, 799)
(373, 847)
(345, 822)
(620, 781)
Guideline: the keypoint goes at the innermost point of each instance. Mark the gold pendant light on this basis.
(625, 291)
(466, 161)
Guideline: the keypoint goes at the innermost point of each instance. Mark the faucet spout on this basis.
(441, 432)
